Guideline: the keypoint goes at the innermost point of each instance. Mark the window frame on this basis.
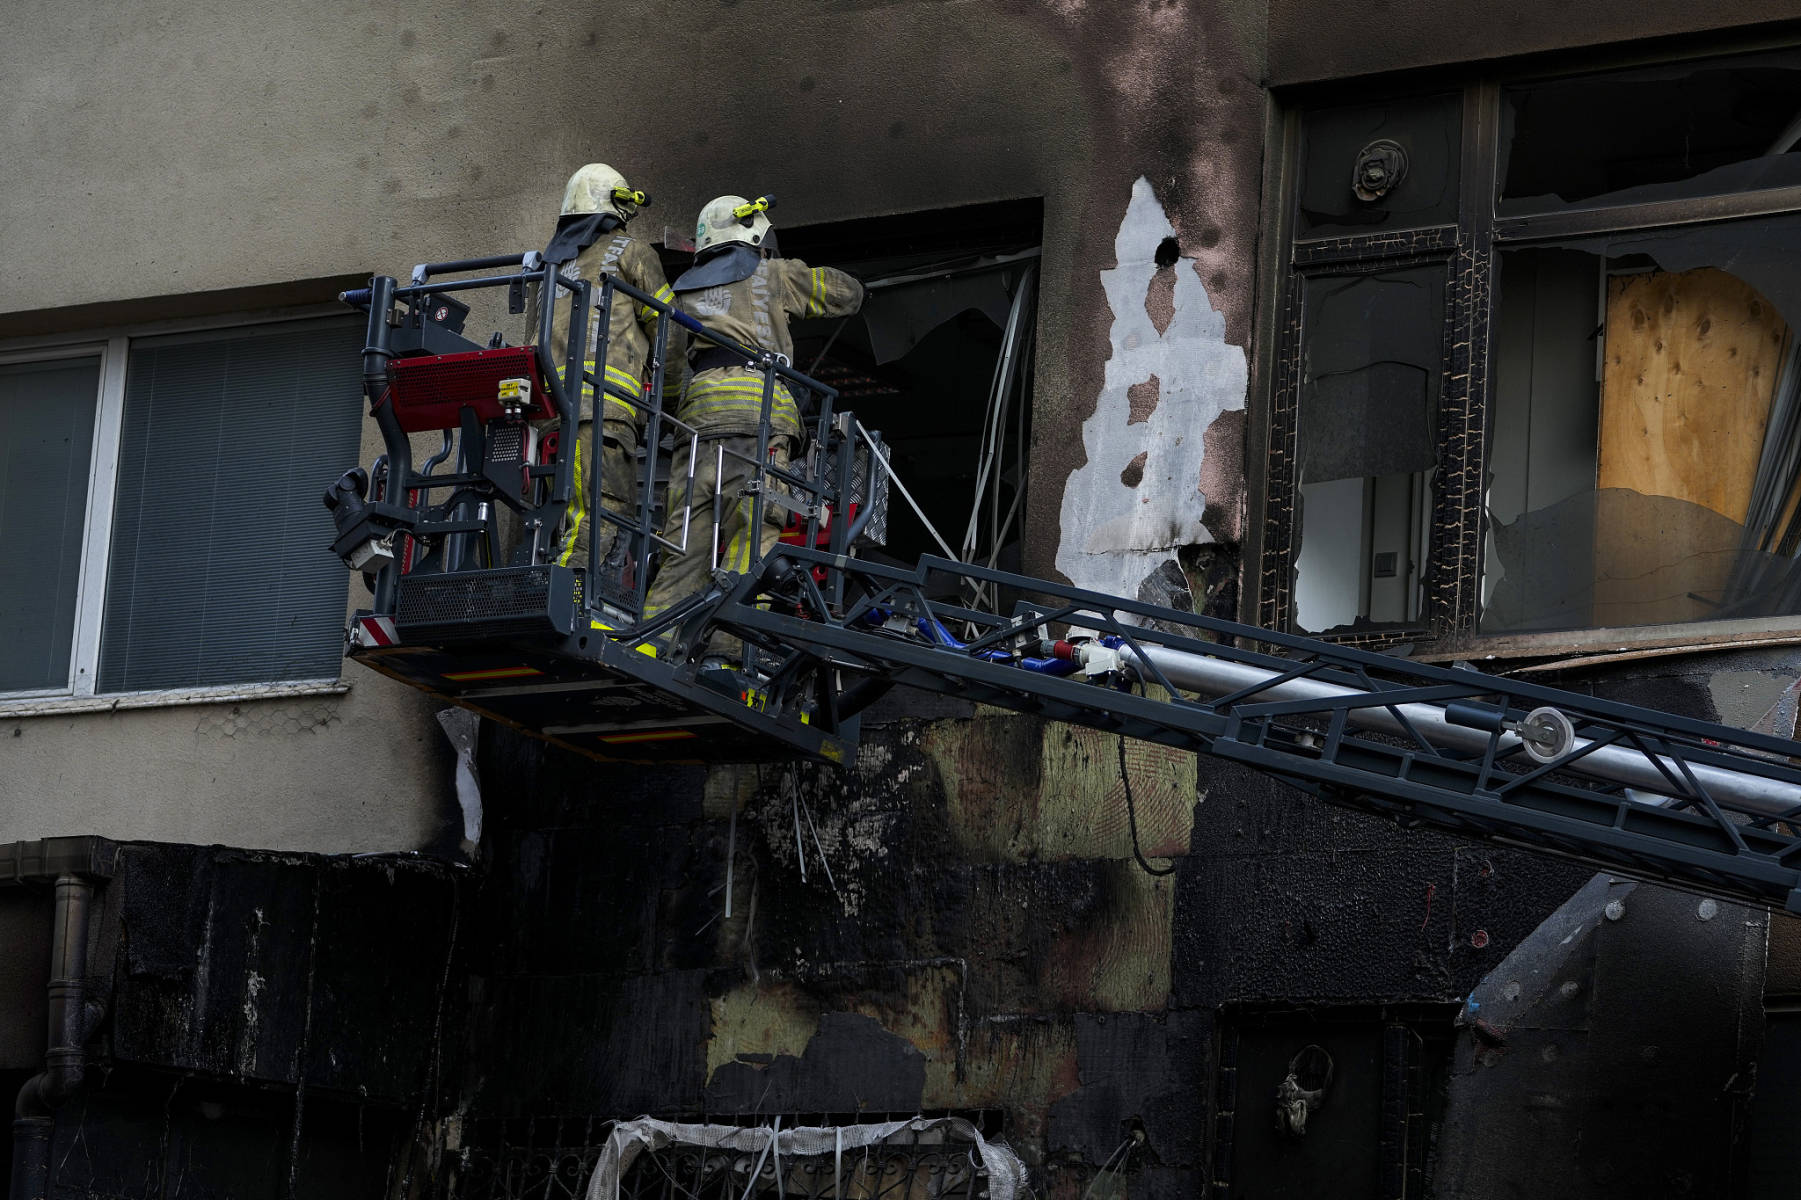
(113, 346)
(1452, 576)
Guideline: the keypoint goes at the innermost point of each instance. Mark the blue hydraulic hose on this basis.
(941, 636)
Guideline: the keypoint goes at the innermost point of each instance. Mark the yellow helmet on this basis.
(598, 188)
(733, 219)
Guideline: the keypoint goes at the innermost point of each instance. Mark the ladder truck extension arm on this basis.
(569, 653)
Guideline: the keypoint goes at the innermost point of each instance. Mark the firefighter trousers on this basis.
(725, 523)
(618, 490)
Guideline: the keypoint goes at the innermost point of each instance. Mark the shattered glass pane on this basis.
(1426, 133)
(1616, 557)
(1645, 432)
(1373, 369)
(899, 318)
(1652, 133)
(1373, 364)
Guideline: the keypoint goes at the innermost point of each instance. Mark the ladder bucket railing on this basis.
(465, 526)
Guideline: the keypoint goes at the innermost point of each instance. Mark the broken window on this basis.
(1371, 378)
(1369, 167)
(1644, 461)
(1576, 407)
(940, 361)
(1652, 133)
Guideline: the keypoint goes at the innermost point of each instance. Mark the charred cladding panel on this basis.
(269, 967)
(25, 919)
(139, 1134)
(1286, 898)
(1368, 168)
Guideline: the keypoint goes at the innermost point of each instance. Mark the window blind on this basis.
(46, 442)
(219, 570)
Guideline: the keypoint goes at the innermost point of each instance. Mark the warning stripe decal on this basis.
(376, 631)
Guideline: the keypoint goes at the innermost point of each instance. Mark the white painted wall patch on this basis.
(1114, 534)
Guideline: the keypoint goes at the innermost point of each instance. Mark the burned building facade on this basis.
(1461, 334)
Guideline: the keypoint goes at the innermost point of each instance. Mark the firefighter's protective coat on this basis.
(628, 351)
(756, 311)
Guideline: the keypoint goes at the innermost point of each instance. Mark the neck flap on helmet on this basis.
(722, 265)
(576, 232)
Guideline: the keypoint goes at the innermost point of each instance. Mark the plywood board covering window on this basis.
(1692, 361)
(1691, 365)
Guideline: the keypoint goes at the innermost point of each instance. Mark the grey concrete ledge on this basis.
(50, 706)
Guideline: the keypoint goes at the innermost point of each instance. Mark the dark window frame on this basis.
(1453, 571)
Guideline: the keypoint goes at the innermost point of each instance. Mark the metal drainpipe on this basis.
(65, 1062)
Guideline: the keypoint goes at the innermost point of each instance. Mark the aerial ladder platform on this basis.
(470, 603)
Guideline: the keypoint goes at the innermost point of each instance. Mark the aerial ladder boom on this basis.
(567, 653)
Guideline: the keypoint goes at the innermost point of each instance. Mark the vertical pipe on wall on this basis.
(65, 1060)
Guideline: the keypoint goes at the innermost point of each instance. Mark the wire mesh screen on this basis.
(555, 1159)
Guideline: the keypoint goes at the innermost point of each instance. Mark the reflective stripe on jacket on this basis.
(755, 311)
(631, 327)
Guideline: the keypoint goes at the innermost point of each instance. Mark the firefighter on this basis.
(740, 287)
(591, 238)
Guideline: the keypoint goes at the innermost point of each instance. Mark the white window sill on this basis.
(50, 706)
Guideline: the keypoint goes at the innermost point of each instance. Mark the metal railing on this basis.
(554, 1158)
(466, 522)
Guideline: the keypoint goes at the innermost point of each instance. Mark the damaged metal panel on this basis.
(221, 992)
(141, 1135)
(25, 916)
(971, 1061)
(1632, 1009)
(1415, 145)
(850, 1065)
(908, 976)
(587, 1043)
